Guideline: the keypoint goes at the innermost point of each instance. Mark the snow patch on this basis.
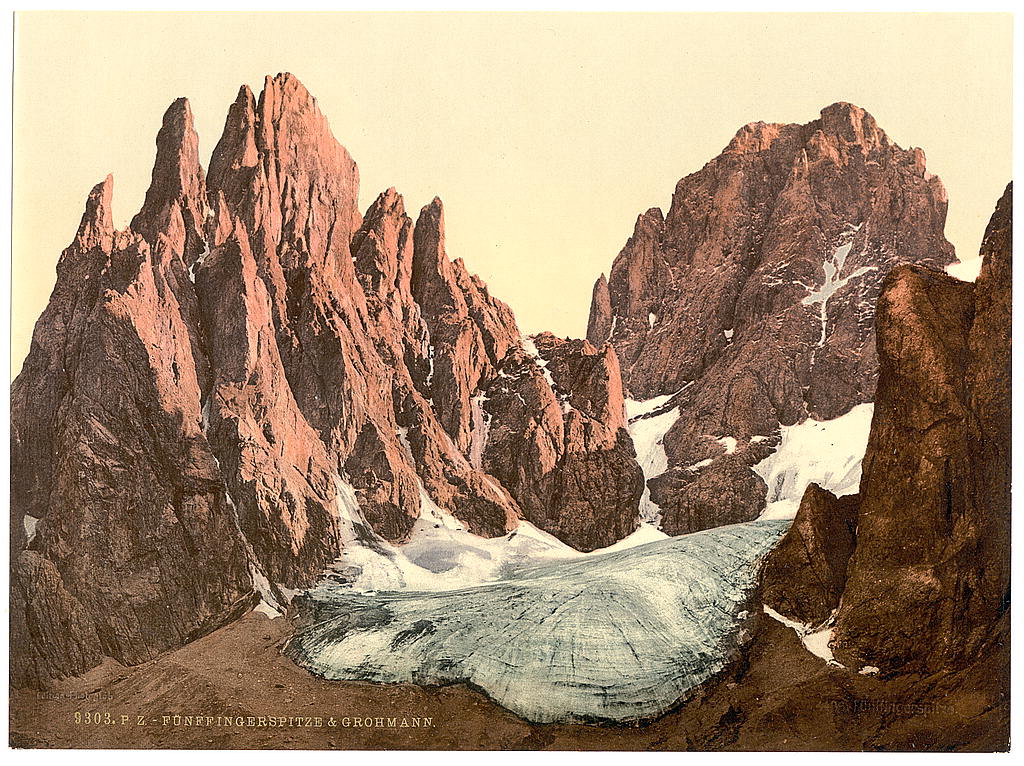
(728, 334)
(833, 267)
(648, 434)
(206, 412)
(264, 608)
(651, 319)
(430, 371)
(30, 523)
(816, 641)
(827, 453)
(635, 409)
(197, 263)
(645, 533)
(729, 442)
(441, 555)
(868, 670)
(531, 348)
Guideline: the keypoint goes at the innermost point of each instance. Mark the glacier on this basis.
(621, 636)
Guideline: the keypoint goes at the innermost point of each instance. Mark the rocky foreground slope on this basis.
(751, 301)
(205, 386)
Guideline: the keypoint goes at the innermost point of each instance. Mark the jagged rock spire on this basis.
(178, 186)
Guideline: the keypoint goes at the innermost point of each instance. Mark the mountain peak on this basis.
(729, 302)
(177, 179)
(284, 93)
(97, 221)
(852, 124)
(754, 137)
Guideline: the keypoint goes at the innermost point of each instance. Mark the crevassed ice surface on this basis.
(620, 636)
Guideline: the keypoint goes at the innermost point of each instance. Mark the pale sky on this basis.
(544, 134)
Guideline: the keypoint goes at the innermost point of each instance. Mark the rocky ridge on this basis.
(912, 573)
(206, 385)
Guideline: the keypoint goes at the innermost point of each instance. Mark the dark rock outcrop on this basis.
(753, 297)
(557, 438)
(929, 578)
(803, 578)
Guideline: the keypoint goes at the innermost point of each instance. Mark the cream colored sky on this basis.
(544, 134)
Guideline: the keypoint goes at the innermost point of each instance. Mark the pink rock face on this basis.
(135, 550)
(279, 474)
(203, 386)
(470, 332)
(754, 295)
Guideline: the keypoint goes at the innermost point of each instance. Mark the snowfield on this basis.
(441, 555)
(826, 452)
(647, 428)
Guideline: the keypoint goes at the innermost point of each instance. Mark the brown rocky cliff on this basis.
(280, 478)
(925, 584)
(926, 589)
(804, 577)
(753, 297)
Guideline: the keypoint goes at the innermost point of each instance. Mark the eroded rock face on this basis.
(136, 548)
(206, 386)
(929, 578)
(753, 297)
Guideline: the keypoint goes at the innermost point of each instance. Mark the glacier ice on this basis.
(620, 636)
